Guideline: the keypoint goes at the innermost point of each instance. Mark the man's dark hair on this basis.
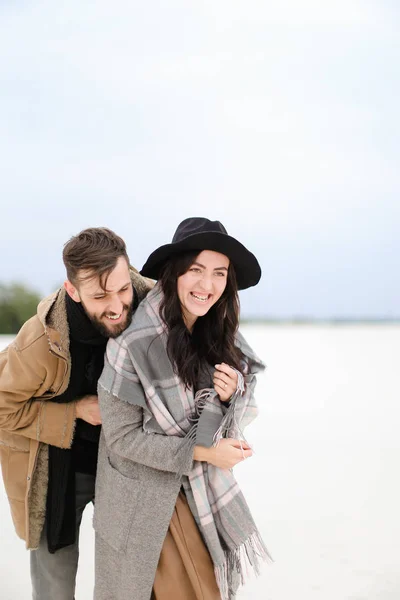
(95, 250)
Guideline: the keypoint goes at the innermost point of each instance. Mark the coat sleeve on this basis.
(122, 425)
(25, 374)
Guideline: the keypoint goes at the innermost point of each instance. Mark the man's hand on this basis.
(87, 409)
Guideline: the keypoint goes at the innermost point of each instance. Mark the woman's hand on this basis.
(225, 381)
(225, 455)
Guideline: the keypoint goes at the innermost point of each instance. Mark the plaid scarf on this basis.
(139, 356)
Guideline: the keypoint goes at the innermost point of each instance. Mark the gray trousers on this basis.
(53, 575)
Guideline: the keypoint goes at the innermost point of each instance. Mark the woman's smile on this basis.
(200, 297)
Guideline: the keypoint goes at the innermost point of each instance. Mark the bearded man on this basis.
(49, 413)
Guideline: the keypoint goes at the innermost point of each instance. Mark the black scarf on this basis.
(87, 347)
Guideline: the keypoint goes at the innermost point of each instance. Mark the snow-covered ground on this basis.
(323, 484)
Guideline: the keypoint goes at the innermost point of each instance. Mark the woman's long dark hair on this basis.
(212, 339)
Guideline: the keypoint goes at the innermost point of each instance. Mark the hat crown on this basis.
(196, 225)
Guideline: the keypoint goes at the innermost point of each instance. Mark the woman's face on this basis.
(202, 285)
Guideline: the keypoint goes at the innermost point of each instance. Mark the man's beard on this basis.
(113, 331)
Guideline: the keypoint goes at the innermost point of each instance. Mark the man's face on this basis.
(109, 310)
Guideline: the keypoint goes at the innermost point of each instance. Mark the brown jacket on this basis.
(33, 369)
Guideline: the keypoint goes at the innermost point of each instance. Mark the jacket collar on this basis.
(53, 316)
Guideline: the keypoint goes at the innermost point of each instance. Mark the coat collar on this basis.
(53, 316)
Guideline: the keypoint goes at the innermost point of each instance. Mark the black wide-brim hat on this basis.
(198, 233)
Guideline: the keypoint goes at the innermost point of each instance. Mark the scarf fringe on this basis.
(201, 399)
(229, 425)
(239, 564)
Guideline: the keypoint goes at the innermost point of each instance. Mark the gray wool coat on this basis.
(131, 517)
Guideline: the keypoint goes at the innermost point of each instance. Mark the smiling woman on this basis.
(202, 285)
(176, 392)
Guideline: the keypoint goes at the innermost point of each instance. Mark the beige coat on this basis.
(33, 369)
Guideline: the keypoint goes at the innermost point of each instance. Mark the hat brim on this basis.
(247, 268)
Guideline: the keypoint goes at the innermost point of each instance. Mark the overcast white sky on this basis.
(278, 118)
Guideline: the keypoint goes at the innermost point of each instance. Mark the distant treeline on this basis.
(17, 304)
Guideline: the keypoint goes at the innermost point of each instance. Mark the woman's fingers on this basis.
(222, 376)
(219, 379)
(241, 448)
(226, 379)
(247, 453)
(223, 389)
(224, 394)
(239, 444)
(224, 385)
(224, 368)
(226, 458)
(225, 455)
